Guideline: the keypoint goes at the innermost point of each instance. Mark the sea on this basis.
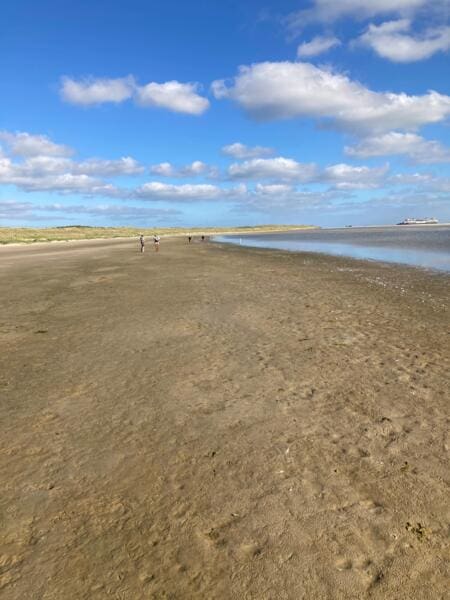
(425, 246)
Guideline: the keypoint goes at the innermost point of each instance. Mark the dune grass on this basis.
(26, 235)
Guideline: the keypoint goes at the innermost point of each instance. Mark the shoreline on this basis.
(429, 252)
(164, 233)
(107, 242)
(325, 255)
(214, 420)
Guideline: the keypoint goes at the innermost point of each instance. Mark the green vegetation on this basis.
(25, 235)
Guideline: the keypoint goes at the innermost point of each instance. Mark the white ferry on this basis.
(428, 221)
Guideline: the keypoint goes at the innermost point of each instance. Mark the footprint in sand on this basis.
(371, 506)
(343, 564)
(363, 568)
(249, 551)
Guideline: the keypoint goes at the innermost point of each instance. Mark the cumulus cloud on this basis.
(326, 11)
(391, 40)
(109, 168)
(164, 169)
(318, 45)
(424, 182)
(241, 151)
(412, 145)
(89, 90)
(96, 167)
(275, 179)
(63, 175)
(273, 189)
(280, 90)
(281, 171)
(26, 144)
(195, 169)
(156, 190)
(272, 168)
(348, 177)
(54, 172)
(171, 95)
(415, 179)
(67, 184)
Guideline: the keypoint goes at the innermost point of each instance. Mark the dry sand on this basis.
(217, 422)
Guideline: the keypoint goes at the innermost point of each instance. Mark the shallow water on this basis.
(420, 246)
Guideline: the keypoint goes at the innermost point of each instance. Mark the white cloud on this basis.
(26, 144)
(275, 179)
(347, 177)
(273, 168)
(173, 95)
(64, 175)
(412, 145)
(327, 11)
(241, 151)
(391, 40)
(97, 91)
(49, 165)
(33, 178)
(53, 171)
(35, 166)
(268, 91)
(318, 45)
(156, 190)
(109, 168)
(424, 182)
(417, 179)
(66, 184)
(281, 170)
(274, 189)
(164, 169)
(195, 169)
(43, 166)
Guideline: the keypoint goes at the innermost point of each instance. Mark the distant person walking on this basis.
(142, 243)
(156, 240)
(189, 238)
(203, 238)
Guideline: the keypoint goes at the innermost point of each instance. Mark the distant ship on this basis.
(428, 221)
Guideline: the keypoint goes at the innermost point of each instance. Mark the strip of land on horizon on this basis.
(27, 235)
(211, 421)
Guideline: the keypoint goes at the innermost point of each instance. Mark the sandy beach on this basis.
(219, 422)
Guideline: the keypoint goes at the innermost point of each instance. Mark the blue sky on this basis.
(150, 113)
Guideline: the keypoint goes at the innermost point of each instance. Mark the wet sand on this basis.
(219, 422)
